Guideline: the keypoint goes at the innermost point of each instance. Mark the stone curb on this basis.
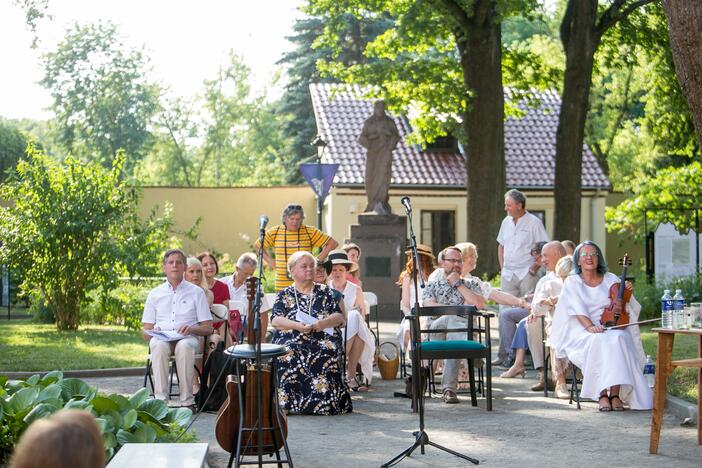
(681, 408)
(113, 372)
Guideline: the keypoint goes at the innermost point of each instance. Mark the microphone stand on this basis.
(421, 437)
(257, 338)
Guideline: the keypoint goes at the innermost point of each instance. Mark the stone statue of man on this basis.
(379, 136)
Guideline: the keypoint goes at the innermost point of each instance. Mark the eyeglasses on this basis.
(453, 260)
(294, 207)
(586, 254)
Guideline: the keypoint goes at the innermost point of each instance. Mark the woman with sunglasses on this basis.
(289, 237)
(611, 360)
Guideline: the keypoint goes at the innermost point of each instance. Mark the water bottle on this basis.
(667, 309)
(649, 371)
(678, 310)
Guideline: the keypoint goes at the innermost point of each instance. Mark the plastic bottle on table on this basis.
(667, 309)
(678, 310)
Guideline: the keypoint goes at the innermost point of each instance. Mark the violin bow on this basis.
(630, 324)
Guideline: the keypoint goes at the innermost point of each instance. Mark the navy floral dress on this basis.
(310, 376)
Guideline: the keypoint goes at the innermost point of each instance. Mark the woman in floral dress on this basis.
(307, 316)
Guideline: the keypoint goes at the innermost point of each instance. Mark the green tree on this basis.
(442, 59)
(72, 227)
(302, 71)
(13, 146)
(584, 24)
(230, 137)
(102, 97)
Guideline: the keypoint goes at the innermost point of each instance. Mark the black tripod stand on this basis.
(421, 437)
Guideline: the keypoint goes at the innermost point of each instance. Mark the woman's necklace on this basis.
(310, 300)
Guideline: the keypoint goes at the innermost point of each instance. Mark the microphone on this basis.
(263, 222)
(406, 203)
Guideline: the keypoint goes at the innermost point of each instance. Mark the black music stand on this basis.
(421, 437)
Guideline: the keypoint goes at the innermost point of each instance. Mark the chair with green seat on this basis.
(469, 348)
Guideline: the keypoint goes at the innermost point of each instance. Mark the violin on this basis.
(615, 313)
(228, 416)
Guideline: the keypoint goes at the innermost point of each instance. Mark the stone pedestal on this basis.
(382, 239)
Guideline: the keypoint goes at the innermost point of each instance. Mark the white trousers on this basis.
(184, 351)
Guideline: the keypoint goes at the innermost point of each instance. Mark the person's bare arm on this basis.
(501, 255)
(283, 323)
(588, 325)
(328, 247)
(507, 299)
(405, 302)
(203, 328)
(361, 302)
(334, 320)
(144, 335)
(470, 297)
(268, 259)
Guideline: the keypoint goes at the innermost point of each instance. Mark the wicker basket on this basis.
(387, 364)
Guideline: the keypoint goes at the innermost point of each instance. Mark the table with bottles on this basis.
(664, 366)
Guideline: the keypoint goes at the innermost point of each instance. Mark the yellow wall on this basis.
(230, 216)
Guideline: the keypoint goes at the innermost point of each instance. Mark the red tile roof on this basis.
(530, 145)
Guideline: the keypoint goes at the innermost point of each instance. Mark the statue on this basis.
(379, 136)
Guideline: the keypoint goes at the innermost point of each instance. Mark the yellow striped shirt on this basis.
(285, 243)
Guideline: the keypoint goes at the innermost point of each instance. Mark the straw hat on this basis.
(340, 257)
(422, 249)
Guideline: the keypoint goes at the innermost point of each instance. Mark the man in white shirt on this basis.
(518, 232)
(178, 306)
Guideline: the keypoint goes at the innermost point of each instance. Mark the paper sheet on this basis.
(165, 335)
(307, 319)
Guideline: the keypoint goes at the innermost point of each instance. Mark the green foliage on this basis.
(121, 305)
(13, 146)
(102, 97)
(672, 195)
(122, 420)
(231, 136)
(73, 227)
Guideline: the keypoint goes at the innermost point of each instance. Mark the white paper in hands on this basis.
(307, 319)
(165, 335)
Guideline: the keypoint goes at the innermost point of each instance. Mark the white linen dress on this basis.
(614, 357)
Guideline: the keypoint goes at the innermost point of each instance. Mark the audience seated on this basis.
(311, 381)
(354, 253)
(406, 283)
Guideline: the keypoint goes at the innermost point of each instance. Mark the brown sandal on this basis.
(618, 407)
(604, 408)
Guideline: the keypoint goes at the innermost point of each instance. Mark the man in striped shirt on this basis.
(290, 237)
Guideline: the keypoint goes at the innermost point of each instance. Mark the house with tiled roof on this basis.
(435, 177)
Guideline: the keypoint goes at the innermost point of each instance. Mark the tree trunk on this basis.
(580, 40)
(483, 123)
(685, 29)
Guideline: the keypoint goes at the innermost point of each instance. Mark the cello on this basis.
(229, 417)
(615, 314)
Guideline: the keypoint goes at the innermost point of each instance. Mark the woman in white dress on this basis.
(408, 297)
(360, 344)
(611, 360)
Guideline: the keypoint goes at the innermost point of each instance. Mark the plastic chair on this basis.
(371, 300)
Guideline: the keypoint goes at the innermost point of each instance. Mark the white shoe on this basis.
(562, 392)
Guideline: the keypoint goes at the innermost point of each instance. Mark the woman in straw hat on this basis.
(360, 344)
(406, 282)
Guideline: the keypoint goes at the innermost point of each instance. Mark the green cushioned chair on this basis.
(470, 348)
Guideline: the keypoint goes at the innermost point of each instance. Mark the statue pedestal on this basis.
(382, 239)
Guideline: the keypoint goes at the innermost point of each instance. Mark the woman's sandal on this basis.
(356, 388)
(617, 407)
(604, 408)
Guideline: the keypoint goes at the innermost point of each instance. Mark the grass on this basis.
(683, 381)
(27, 346)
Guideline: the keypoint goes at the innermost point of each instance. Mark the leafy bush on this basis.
(649, 294)
(122, 420)
(122, 305)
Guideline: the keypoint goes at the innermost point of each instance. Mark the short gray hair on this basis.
(517, 196)
(247, 258)
(174, 252)
(297, 256)
(291, 210)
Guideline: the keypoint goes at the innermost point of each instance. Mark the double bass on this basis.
(229, 417)
(615, 314)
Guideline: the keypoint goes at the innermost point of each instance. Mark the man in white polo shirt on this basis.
(518, 232)
(175, 306)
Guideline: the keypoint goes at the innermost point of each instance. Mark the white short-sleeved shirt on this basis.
(539, 291)
(517, 240)
(239, 294)
(170, 309)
